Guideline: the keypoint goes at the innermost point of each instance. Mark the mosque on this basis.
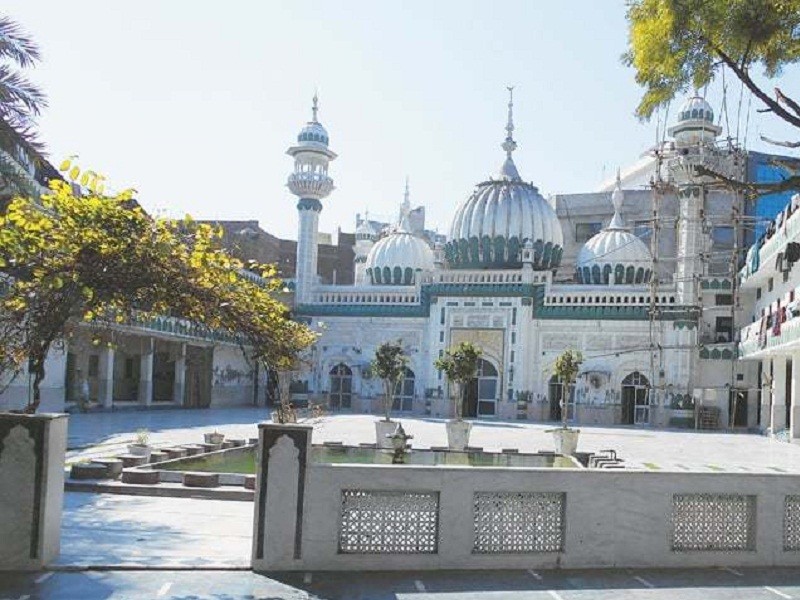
(525, 277)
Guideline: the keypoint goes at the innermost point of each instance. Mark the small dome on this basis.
(365, 231)
(614, 255)
(694, 109)
(313, 133)
(396, 259)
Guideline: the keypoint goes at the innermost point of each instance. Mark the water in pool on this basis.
(244, 460)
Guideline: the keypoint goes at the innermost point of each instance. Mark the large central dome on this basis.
(491, 227)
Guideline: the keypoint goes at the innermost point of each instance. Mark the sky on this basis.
(194, 103)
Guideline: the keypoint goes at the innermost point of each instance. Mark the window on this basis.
(724, 329)
(441, 337)
(513, 337)
(770, 284)
(758, 293)
(723, 300)
(514, 316)
(584, 231)
(403, 398)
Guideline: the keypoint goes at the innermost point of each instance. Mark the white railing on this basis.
(777, 243)
(364, 295)
(487, 277)
(626, 296)
(789, 337)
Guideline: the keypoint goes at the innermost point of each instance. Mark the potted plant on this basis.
(389, 365)
(214, 438)
(141, 446)
(567, 366)
(460, 365)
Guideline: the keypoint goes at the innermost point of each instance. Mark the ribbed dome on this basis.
(614, 255)
(365, 230)
(696, 108)
(313, 132)
(491, 227)
(493, 224)
(396, 259)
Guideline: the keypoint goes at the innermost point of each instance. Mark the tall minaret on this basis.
(695, 135)
(310, 183)
(405, 207)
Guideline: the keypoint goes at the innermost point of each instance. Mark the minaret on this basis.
(310, 183)
(365, 240)
(405, 207)
(695, 136)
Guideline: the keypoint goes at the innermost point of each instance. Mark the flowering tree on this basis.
(101, 260)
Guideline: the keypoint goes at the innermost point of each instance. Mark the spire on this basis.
(509, 145)
(509, 170)
(617, 198)
(314, 107)
(405, 207)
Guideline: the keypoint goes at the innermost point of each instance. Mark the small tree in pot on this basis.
(389, 365)
(567, 366)
(460, 365)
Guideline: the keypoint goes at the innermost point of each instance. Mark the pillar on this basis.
(766, 395)
(105, 377)
(794, 424)
(179, 386)
(146, 372)
(778, 414)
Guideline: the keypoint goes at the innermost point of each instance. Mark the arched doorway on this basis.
(403, 398)
(635, 400)
(480, 398)
(341, 387)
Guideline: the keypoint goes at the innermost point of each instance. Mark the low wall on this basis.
(375, 517)
(32, 449)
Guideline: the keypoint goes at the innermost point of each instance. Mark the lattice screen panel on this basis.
(713, 522)
(791, 523)
(518, 522)
(388, 522)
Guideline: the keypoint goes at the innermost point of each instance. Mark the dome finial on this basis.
(509, 145)
(617, 198)
(314, 107)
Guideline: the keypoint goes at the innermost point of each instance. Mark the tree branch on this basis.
(755, 188)
(787, 101)
(779, 143)
(774, 105)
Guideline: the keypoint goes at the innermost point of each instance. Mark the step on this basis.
(140, 476)
(88, 471)
(201, 480)
(113, 466)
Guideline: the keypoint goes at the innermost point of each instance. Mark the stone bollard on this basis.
(283, 457)
(32, 449)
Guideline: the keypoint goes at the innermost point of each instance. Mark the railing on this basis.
(629, 297)
(355, 517)
(767, 253)
(485, 277)
(364, 295)
(749, 346)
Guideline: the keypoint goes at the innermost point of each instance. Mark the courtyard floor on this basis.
(92, 435)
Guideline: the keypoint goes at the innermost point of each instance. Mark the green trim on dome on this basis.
(499, 253)
(309, 204)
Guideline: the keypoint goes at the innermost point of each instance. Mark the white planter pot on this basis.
(458, 434)
(566, 441)
(382, 429)
(214, 438)
(139, 450)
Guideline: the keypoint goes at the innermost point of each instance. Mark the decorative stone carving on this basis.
(518, 522)
(17, 494)
(791, 523)
(389, 522)
(713, 522)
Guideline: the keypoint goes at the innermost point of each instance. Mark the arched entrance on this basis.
(341, 387)
(555, 395)
(635, 400)
(403, 399)
(480, 398)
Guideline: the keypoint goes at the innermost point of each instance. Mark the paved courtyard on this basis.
(680, 450)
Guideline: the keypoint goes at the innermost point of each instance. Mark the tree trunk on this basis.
(387, 399)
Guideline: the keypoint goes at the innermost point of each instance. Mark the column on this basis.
(146, 372)
(794, 424)
(105, 377)
(778, 414)
(766, 395)
(179, 387)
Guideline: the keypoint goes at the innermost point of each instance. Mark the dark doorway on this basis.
(198, 376)
(556, 394)
(469, 407)
(788, 393)
(737, 407)
(341, 387)
(635, 403)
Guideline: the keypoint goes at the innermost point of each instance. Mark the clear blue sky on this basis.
(194, 103)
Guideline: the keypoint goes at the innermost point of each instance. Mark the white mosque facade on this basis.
(515, 278)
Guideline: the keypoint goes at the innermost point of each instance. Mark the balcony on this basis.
(788, 340)
(750, 277)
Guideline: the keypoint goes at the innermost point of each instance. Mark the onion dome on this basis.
(695, 123)
(491, 227)
(397, 258)
(313, 132)
(614, 255)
